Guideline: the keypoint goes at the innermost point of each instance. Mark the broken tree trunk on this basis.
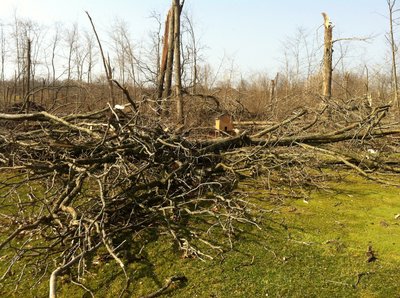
(273, 94)
(327, 63)
(272, 91)
(169, 65)
(177, 53)
(163, 66)
(28, 74)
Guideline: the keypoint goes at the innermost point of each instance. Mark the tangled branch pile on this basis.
(90, 179)
(86, 182)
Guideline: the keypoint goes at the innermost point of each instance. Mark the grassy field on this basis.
(314, 248)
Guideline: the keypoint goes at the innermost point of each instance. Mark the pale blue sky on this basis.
(251, 33)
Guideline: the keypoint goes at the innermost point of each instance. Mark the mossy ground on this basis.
(314, 248)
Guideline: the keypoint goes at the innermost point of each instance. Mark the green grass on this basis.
(314, 249)
(305, 249)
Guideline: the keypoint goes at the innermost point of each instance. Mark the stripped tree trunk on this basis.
(327, 64)
(163, 66)
(170, 64)
(177, 57)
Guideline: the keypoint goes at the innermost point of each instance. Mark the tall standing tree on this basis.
(192, 51)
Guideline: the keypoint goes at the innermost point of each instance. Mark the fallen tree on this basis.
(78, 185)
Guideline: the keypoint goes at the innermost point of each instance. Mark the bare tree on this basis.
(71, 40)
(106, 62)
(27, 47)
(394, 48)
(192, 52)
(89, 39)
(124, 50)
(55, 41)
(80, 58)
(118, 38)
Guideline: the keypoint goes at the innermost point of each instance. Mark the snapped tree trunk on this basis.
(327, 64)
(163, 66)
(28, 75)
(170, 64)
(272, 91)
(273, 97)
(177, 57)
